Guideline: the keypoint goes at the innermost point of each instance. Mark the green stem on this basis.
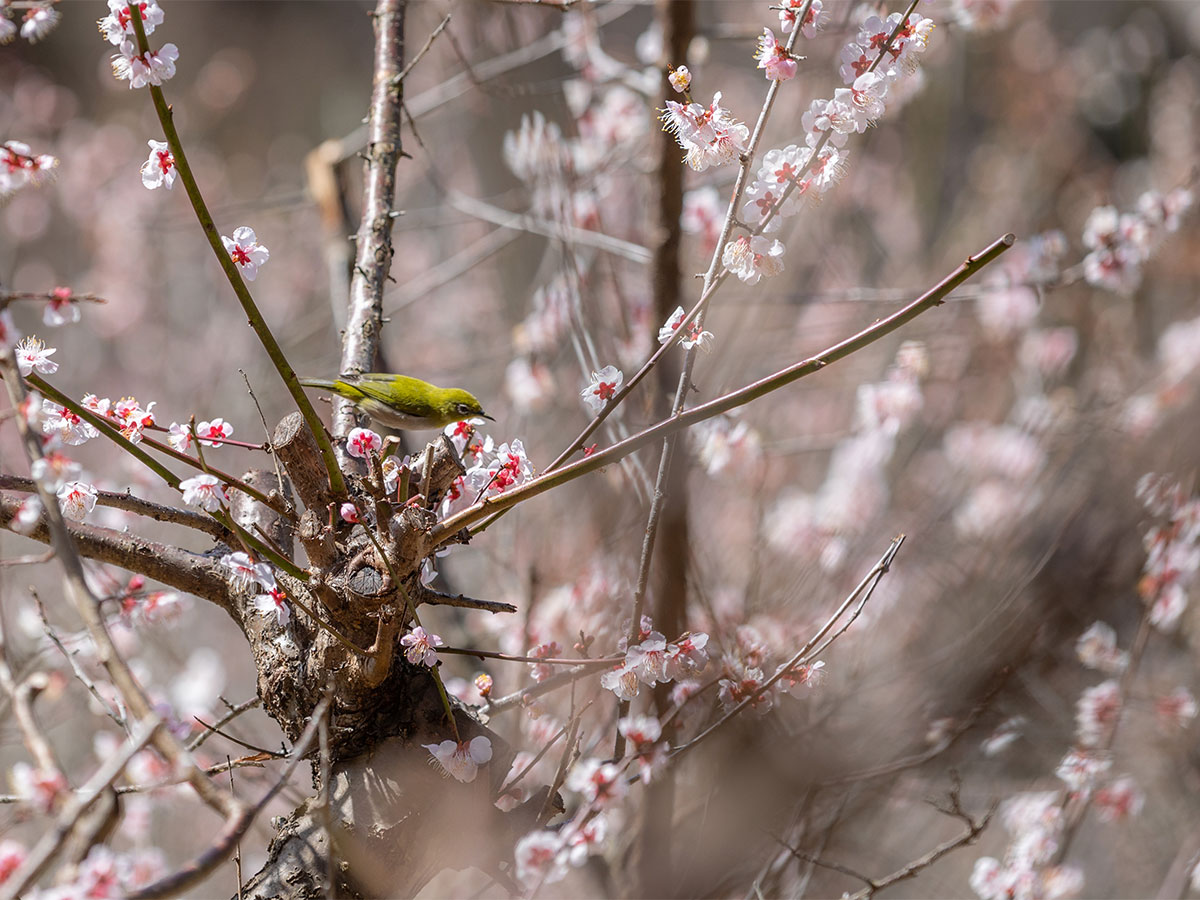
(254, 317)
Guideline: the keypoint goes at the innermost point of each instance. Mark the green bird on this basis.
(400, 401)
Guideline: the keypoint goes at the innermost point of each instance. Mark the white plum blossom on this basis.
(179, 437)
(39, 22)
(33, 355)
(61, 309)
(159, 169)
(602, 388)
(245, 250)
(541, 858)
(695, 336)
(244, 571)
(155, 67)
(212, 434)
(77, 499)
(420, 647)
(710, 135)
(28, 513)
(66, 425)
(117, 26)
(362, 441)
(204, 491)
(751, 258)
(273, 603)
(789, 14)
(773, 57)
(600, 783)
(461, 760)
(680, 78)
(722, 442)
(1096, 713)
(1097, 649)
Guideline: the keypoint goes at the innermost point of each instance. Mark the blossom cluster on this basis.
(40, 19)
(1121, 243)
(493, 469)
(854, 490)
(21, 167)
(656, 661)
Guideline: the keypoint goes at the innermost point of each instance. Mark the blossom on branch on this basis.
(773, 57)
(77, 499)
(420, 647)
(603, 387)
(204, 491)
(246, 252)
(159, 169)
(461, 760)
(710, 135)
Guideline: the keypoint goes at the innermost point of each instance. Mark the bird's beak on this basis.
(486, 416)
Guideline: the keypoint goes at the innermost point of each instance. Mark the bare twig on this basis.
(451, 525)
(130, 503)
(196, 870)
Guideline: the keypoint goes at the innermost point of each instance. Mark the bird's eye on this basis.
(463, 409)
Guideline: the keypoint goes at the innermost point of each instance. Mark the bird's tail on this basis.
(323, 383)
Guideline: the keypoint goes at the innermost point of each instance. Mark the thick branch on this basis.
(184, 571)
(373, 261)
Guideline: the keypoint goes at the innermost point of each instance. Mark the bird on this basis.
(401, 401)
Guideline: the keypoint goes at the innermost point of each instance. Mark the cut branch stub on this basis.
(297, 449)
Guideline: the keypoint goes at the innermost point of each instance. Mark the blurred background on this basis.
(1005, 440)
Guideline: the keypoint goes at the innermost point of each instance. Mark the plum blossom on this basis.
(159, 169)
(603, 387)
(153, 67)
(1096, 712)
(212, 434)
(37, 786)
(244, 571)
(12, 855)
(204, 491)
(362, 441)
(710, 135)
(1176, 709)
(695, 336)
(20, 167)
(751, 258)
(773, 57)
(1097, 649)
(349, 513)
(510, 468)
(65, 425)
(39, 22)
(117, 26)
(273, 603)
(179, 437)
(1080, 769)
(1119, 800)
(420, 647)
(600, 783)
(744, 684)
(789, 14)
(541, 671)
(540, 859)
(28, 513)
(680, 78)
(246, 252)
(61, 308)
(131, 418)
(77, 499)
(461, 760)
(33, 354)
